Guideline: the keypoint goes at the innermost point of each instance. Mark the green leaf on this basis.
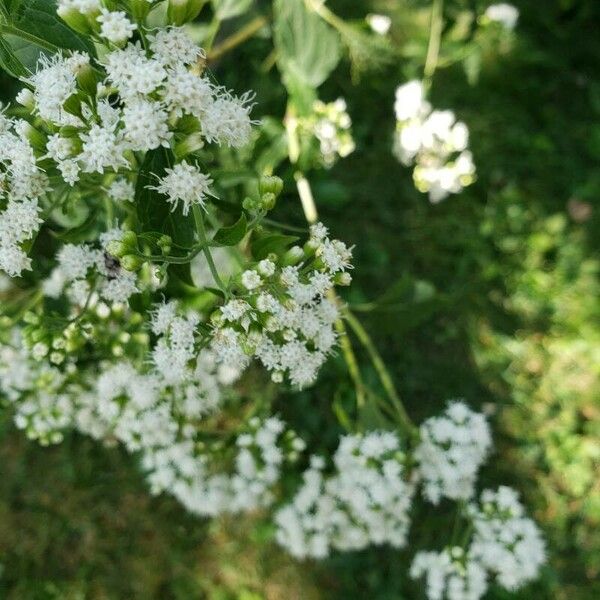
(231, 236)
(275, 242)
(307, 48)
(29, 28)
(227, 9)
(154, 212)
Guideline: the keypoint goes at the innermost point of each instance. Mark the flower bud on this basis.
(269, 184)
(73, 106)
(293, 256)
(76, 20)
(129, 238)
(117, 248)
(87, 79)
(268, 200)
(36, 138)
(343, 279)
(25, 98)
(189, 144)
(131, 262)
(164, 243)
(250, 204)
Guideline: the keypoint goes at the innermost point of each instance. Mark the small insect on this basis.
(112, 265)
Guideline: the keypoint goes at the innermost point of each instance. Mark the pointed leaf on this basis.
(231, 236)
(276, 243)
(29, 28)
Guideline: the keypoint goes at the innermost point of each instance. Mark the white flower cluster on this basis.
(450, 574)
(505, 545)
(330, 124)
(434, 141)
(86, 274)
(21, 185)
(505, 542)
(505, 14)
(451, 449)
(261, 452)
(35, 390)
(365, 501)
(281, 316)
(151, 415)
(175, 352)
(154, 86)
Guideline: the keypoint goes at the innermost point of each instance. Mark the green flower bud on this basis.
(293, 256)
(129, 238)
(164, 243)
(343, 279)
(131, 262)
(73, 106)
(87, 80)
(25, 98)
(189, 144)
(37, 335)
(118, 249)
(31, 318)
(269, 184)
(267, 202)
(76, 20)
(36, 138)
(250, 204)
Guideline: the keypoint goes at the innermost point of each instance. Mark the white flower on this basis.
(505, 541)
(379, 23)
(449, 574)
(173, 47)
(54, 82)
(75, 261)
(145, 125)
(227, 120)
(251, 279)
(410, 101)
(186, 92)
(365, 501)
(503, 13)
(132, 72)
(452, 448)
(102, 148)
(185, 183)
(435, 141)
(121, 190)
(115, 26)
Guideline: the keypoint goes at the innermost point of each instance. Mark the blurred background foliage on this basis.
(492, 296)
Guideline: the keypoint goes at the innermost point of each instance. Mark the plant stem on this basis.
(306, 197)
(435, 39)
(382, 372)
(351, 362)
(199, 218)
(239, 37)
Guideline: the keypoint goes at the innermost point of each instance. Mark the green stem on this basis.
(435, 39)
(213, 29)
(239, 37)
(351, 363)
(382, 372)
(199, 218)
